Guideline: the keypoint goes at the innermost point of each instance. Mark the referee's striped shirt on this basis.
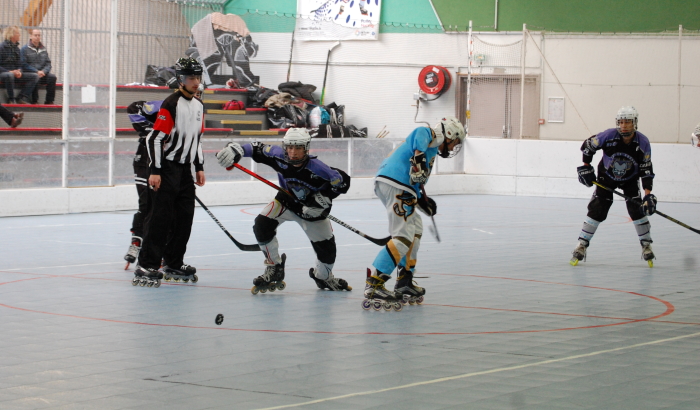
(177, 133)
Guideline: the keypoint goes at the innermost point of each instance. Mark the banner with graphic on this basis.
(338, 19)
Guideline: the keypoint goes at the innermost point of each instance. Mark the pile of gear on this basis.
(293, 105)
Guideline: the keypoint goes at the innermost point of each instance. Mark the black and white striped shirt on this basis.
(177, 133)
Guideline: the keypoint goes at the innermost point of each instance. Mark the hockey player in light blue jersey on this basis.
(398, 185)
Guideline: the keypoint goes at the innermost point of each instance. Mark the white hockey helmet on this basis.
(296, 137)
(450, 128)
(626, 112)
(695, 137)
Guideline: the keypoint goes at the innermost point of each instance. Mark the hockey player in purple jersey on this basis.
(314, 185)
(626, 160)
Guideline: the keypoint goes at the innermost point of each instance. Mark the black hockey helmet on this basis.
(188, 66)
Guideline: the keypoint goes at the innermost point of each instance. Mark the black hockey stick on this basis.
(380, 241)
(325, 75)
(241, 246)
(638, 202)
(291, 49)
(433, 229)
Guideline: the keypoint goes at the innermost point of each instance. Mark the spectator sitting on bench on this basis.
(11, 68)
(35, 59)
(13, 119)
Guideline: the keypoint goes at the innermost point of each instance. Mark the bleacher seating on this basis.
(45, 121)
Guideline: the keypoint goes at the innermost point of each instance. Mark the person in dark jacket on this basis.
(35, 59)
(11, 68)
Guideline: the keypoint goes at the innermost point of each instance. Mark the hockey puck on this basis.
(219, 319)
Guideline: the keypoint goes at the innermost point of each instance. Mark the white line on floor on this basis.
(481, 373)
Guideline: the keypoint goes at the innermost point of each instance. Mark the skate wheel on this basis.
(348, 288)
(651, 263)
(377, 305)
(398, 306)
(186, 280)
(167, 278)
(176, 279)
(254, 290)
(412, 302)
(263, 290)
(195, 279)
(135, 281)
(573, 262)
(420, 300)
(157, 283)
(150, 283)
(272, 288)
(281, 285)
(387, 305)
(142, 282)
(366, 304)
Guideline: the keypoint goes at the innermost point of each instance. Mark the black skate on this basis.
(271, 280)
(647, 253)
(186, 273)
(332, 283)
(579, 254)
(133, 253)
(407, 289)
(377, 296)
(147, 277)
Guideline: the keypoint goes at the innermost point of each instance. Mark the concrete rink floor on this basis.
(507, 323)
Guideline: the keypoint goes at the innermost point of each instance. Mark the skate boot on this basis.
(332, 283)
(579, 254)
(271, 280)
(377, 296)
(186, 273)
(133, 253)
(647, 253)
(147, 277)
(406, 288)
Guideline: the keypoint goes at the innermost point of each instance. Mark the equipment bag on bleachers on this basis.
(233, 105)
(161, 76)
(330, 131)
(287, 116)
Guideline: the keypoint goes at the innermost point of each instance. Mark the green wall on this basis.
(639, 16)
(398, 16)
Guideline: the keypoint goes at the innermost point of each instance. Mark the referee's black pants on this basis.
(170, 219)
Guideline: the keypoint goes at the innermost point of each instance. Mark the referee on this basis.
(174, 146)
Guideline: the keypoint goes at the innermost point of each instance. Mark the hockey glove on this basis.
(231, 154)
(427, 205)
(586, 175)
(419, 169)
(649, 205)
(322, 203)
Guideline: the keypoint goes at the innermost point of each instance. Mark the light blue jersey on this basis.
(395, 169)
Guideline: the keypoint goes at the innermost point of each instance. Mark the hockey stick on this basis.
(325, 75)
(636, 201)
(291, 49)
(380, 241)
(241, 246)
(433, 229)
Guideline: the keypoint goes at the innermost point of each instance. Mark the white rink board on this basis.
(493, 167)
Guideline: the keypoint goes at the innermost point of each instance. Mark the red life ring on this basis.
(434, 80)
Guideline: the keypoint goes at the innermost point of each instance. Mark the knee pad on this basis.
(398, 247)
(325, 250)
(598, 208)
(264, 229)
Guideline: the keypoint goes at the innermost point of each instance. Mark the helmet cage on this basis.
(450, 128)
(296, 137)
(626, 113)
